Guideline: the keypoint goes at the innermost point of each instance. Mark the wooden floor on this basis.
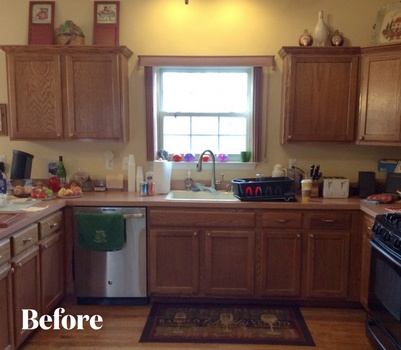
(331, 329)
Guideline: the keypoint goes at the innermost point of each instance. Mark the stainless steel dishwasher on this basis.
(113, 277)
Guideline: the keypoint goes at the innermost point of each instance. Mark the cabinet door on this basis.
(281, 263)
(174, 261)
(6, 319)
(26, 289)
(327, 265)
(319, 95)
(52, 274)
(229, 263)
(93, 96)
(380, 110)
(35, 97)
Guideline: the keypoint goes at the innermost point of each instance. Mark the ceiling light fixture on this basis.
(186, 2)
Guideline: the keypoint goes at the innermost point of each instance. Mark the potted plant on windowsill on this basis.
(69, 34)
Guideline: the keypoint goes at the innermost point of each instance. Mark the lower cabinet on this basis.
(298, 254)
(367, 225)
(201, 262)
(215, 258)
(26, 289)
(6, 312)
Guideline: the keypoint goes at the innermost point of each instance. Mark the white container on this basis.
(162, 176)
(139, 178)
(131, 173)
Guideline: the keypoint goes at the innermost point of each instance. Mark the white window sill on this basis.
(219, 165)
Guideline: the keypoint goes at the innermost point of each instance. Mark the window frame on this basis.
(151, 62)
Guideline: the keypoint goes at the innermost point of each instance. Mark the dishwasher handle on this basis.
(134, 216)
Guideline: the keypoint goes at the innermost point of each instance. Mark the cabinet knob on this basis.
(289, 137)
(27, 240)
(298, 235)
(361, 138)
(370, 228)
(195, 234)
(12, 270)
(311, 235)
(53, 224)
(209, 234)
(19, 265)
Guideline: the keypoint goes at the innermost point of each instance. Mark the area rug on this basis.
(227, 323)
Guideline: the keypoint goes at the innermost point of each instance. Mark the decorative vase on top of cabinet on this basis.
(319, 94)
(380, 93)
(68, 92)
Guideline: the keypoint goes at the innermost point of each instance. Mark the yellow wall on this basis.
(204, 27)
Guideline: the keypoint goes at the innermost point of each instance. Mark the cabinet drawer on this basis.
(201, 218)
(282, 219)
(24, 239)
(50, 224)
(368, 222)
(5, 251)
(330, 220)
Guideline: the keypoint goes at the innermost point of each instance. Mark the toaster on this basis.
(335, 187)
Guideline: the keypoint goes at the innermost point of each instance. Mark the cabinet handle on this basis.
(195, 234)
(53, 224)
(361, 138)
(328, 221)
(289, 137)
(369, 228)
(283, 221)
(27, 240)
(1, 256)
(209, 234)
(12, 270)
(19, 265)
(298, 235)
(311, 235)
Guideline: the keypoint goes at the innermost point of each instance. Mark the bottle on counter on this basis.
(189, 183)
(149, 181)
(61, 172)
(3, 183)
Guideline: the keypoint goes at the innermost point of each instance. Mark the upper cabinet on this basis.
(68, 92)
(319, 94)
(380, 94)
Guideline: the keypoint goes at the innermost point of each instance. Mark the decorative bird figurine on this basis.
(321, 30)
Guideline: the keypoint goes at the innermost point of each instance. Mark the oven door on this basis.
(384, 303)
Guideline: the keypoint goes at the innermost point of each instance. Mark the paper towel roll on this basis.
(162, 176)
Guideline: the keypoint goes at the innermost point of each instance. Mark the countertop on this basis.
(117, 198)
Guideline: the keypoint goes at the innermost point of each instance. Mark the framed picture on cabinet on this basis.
(106, 23)
(387, 29)
(3, 119)
(41, 23)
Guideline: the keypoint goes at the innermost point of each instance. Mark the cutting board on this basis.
(9, 219)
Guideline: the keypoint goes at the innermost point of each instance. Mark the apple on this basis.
(61, 192)
(38, 192)
(77, 191)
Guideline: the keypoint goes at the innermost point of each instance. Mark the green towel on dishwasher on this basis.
(105, 232)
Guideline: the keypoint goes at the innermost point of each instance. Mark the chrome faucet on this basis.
(199, 167)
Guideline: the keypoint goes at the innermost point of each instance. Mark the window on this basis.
(179, 120)
(204, 108)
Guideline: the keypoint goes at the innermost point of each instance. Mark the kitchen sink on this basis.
(182, 195)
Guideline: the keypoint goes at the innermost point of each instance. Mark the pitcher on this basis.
(278, 171)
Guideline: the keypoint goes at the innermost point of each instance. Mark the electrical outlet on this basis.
(125, 163)
(109, 164)
(292, 162)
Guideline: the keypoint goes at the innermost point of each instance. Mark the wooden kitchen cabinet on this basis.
(367, 224)
(319, 94)
(327, 259)
(380, 93)
(201, 252)
(6, 311)
(52, 267)
(281, 253)
(68, 92)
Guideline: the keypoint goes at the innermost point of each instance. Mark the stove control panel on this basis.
(387, 231)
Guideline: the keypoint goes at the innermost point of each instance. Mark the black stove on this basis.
(383, 322)
(387, 232)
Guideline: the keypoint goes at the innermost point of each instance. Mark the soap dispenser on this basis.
(189, 183)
